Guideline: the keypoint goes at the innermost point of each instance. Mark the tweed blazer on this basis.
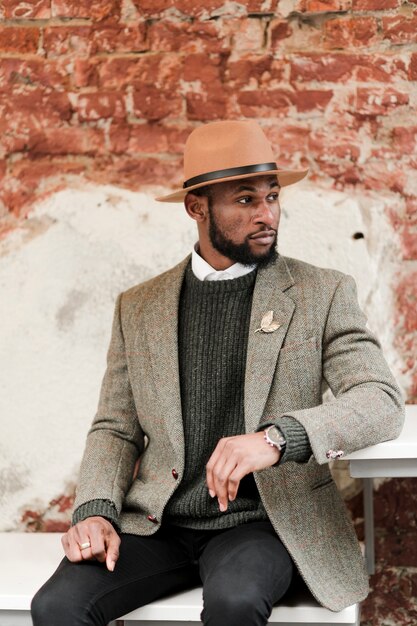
(322, 342)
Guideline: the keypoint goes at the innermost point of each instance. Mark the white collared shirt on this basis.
(204, 271)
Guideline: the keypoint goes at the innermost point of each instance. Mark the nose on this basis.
(266, 214)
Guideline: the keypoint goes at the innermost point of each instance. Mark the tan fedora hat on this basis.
(222, 151)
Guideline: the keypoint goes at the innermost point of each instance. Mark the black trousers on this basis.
(244, 570)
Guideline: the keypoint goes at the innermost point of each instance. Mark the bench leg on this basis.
(368, 507)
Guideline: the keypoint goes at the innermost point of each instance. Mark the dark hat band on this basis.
(231, 171)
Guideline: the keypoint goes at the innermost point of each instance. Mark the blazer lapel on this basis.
(161, 325)
(263, 348)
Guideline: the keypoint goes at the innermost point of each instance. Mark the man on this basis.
(214, 383)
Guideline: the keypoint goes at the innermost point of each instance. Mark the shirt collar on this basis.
(204, 271)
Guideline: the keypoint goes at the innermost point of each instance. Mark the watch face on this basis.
(275, 436)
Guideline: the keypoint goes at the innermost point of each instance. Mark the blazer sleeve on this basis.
(115, 439)
(367, 407)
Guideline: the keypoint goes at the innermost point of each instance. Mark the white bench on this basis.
(185, 608)
(29, 559)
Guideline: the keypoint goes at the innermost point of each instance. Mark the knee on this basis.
(235, 608)
(45, 608)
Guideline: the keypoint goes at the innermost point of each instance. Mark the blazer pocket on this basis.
(298, 349)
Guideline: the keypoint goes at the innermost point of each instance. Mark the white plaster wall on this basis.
(59, 276)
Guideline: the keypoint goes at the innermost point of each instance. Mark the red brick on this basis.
(411, 208)
(408, 238)
(134, 173)
(333, 68)
(19, 39)
(382, 176)
(157, 139)
(378, 68)
(153, 103)
(279, 29)
(345, 148)
(167, 36)
(404, 139)
(206, 107)
(312, 99)
(16, 73)
(61, 40)
(118, 136)
(36, 108)
(388, 602)
(69, 140)
(412, 74)
(261, 7)
(400, 29)
(64, 502)
(55, 526)
(245, 33)
(264, 103)
(88, 9)
(323, 6)
(404, 222)
(194, 8)
(351, 32)
(26, 181)
(373, 102)
(200, 67)
(162, 71)
(338, 67)
(259, 69)
(288, 141)
(102, 105)
(85, 73)
(375, 176)
(86, 40)
(375, 5)
(29, 9)
(397, 549)
(120, 38)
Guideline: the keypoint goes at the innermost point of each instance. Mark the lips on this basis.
(265, 237)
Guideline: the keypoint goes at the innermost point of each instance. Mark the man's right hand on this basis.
(104, 542)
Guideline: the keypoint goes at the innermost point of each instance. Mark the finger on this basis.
(234, 480)
(98, 548)
(221, 473)
(81, 538)
(210, 466)
(112, 544)
(72, 548)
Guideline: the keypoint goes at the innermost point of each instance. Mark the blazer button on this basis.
(175, 474)
(152, 519)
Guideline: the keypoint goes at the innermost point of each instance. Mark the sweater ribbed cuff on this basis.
(93, 508)
(298, 447)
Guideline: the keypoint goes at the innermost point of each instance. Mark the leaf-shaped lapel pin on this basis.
(267, 323)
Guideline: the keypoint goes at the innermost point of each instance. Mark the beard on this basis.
(239, 252)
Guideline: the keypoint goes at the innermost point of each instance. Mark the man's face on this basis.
(243, 219)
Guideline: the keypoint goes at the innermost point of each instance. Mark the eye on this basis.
(244, 200)
(273, 197)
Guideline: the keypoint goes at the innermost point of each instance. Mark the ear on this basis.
(196, 207)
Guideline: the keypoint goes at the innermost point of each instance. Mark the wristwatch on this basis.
(274, 437)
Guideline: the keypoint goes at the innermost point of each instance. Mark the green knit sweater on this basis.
(212, 339)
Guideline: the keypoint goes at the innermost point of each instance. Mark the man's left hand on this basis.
(232, 459)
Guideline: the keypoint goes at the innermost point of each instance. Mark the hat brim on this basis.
(285, 177)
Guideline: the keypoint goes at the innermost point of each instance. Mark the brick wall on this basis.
(107, 91)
